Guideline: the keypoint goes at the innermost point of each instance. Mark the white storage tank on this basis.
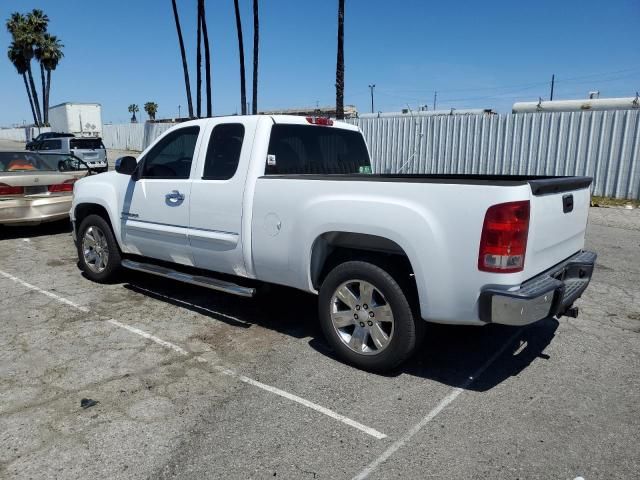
(590, 104)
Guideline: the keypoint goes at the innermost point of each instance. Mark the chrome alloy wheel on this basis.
(362, 317)
(95, 249)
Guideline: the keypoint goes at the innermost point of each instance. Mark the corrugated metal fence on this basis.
(132, 136)
(604, 145)
(22, 134)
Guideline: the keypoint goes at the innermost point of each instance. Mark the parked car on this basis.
(43, 136)
(36, 188)
(282, 200)
(90, 150)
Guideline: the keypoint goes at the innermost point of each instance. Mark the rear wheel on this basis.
(97, 249)
(366, 316)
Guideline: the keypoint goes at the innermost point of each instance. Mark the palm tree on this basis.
(133, 108)
(18, 61)
(37, 23)
(151, 108)
(340, 63)
(199, 62)
(256, 35)
(243, 88)
(207, 57)
(25, 31)
(49, 53)
(184, 58)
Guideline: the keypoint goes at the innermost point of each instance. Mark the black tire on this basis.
(114, 256)
(404, 339)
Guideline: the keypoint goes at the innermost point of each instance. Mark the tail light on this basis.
(66, 186)
(504, 238)
(327, 122)
(9, 190)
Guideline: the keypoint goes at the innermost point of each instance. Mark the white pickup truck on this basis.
(231, 203)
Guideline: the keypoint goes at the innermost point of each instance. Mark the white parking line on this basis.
(398, 444)
(306, 403)
(302, 401)
(45, 292)
(153, 338)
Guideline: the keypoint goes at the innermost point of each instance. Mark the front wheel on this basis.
(366, 316)
(98, 251)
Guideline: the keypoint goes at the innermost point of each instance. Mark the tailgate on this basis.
(558, 222)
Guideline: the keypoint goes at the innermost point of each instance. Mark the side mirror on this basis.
(126, 165)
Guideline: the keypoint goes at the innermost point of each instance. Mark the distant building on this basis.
(350, 111)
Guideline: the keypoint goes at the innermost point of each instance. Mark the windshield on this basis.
(24, 162)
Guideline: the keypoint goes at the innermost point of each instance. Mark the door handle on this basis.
(175, 196)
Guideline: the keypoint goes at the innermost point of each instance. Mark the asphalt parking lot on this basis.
(195, 384)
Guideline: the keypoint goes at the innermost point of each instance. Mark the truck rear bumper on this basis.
(549, 294)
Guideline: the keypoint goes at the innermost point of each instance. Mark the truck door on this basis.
(155, 211)
(217, 196)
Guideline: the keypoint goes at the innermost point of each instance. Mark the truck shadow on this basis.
(449, 354)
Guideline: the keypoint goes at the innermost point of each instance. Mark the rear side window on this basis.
(86, 143)
(302, 149)
(51, 145)
(223, 154)
(171, 157)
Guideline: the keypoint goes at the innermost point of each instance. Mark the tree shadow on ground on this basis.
(449, 354)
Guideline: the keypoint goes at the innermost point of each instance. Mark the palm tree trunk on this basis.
(199, 62)
(185, 67)
(33, 110)
(207, 59)
(48, 92)
(45, 115)
(340, 63)
(34, 93)
(243, 87)
(256, 37)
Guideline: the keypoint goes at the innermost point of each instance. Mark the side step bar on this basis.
(201, 281)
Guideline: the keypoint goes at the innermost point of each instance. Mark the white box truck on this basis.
(81, 119)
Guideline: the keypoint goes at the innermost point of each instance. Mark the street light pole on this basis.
(371, 87)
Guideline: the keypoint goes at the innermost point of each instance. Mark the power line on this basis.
(514, 86)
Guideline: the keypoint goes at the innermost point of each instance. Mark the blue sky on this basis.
(475, 54)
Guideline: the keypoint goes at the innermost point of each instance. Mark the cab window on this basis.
(172, 156)
(223, 153)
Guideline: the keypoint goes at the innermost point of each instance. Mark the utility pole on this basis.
(371, 87)
(179, 106)
(435, 99)
(553, 81)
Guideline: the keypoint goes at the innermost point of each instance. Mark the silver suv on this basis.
(90, 150)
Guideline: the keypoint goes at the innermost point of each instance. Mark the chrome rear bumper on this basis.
(549, 294)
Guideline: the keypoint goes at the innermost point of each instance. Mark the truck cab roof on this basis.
(279, 119)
